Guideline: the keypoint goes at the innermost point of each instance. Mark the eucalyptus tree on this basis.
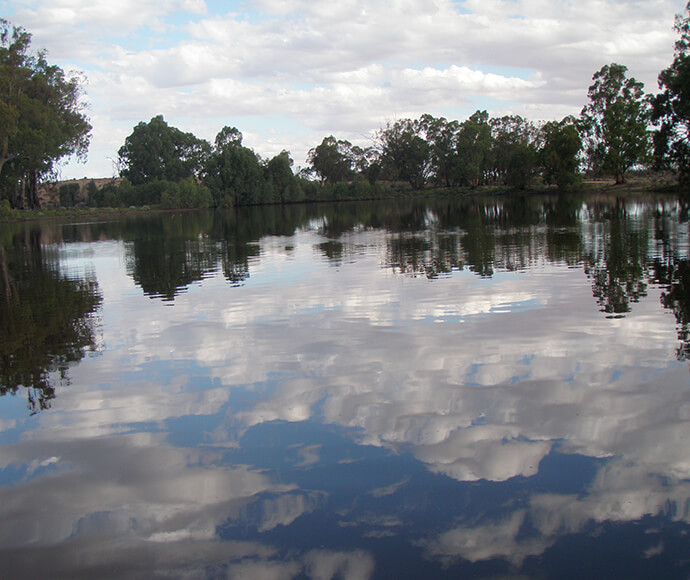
(233, 172)
(280, 183)
(615, 122)
(442, 137)
(332, 160)
(671, 107)
(404, 153)
(514, 154)
(559, 152)
(155, 151)
(42, 116)
(474, 149)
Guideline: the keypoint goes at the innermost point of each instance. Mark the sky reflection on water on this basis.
(359, 401)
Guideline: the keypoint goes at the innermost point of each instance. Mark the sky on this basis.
(288, 74)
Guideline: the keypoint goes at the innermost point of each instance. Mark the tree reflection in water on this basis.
(46, 319)
(616, 245)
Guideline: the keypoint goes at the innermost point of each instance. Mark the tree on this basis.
(474, 146)
(404, 153)
(228, 137)
(671, 107)
(332, 160)
(442, 137)
(156, 151)
(559, 153)
(41, 117)
(522, 166)
(233, 172)
(280, 179)
(614, 123)
(69, 194)
(513, 156)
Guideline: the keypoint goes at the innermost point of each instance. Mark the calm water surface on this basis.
(479, 389)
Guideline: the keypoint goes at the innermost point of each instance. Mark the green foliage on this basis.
(559, 153)
(96, 197)
(614, 123)
(156, 151)
(235, 175)
(311, 190)
(186, 194)
(442, 137)
(41, 117)
(671, 107)
(513, 155)
(6, 211)
(233, 172)
(474, 149)
(522, 166)
(331, 161)
(283, 185)
(91, 189)
(337, 160)
(404, 153)
(69, 194)
(228, 137)
(480, 150)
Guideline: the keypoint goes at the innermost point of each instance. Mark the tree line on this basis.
(621, 128)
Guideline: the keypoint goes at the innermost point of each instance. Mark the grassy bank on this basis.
(607, 188)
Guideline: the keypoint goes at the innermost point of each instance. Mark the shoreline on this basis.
(606, 188)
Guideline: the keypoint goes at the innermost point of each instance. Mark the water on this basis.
(485, 388)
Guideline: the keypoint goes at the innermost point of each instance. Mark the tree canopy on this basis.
(671, 107)
(560, 148)
(42, 117)
(615, 122)
(404, 153)
(332, 160)
(157, 151)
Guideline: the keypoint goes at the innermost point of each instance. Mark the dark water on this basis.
(478, 389)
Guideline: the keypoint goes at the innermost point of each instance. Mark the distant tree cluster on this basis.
(161, 165)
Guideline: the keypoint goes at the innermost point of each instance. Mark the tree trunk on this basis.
(32, 191)
(18, 197)
(5, 275)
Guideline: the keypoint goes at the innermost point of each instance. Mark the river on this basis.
(474, 388)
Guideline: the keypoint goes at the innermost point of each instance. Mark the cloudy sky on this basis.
(289, 73)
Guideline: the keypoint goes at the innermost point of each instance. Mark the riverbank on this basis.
(606, 188)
